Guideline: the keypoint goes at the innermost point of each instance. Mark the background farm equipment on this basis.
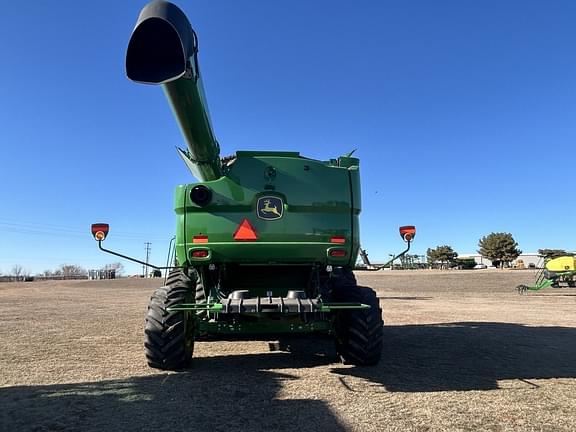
(557, 273)
(265, 242)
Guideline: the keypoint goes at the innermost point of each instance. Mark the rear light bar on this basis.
(338, 239)
(200, 239)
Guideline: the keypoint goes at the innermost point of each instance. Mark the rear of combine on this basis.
(265, 241)
(267, 249)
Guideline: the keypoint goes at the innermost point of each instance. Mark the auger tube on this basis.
(163, 50)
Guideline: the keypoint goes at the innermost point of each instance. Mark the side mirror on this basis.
(408, 233)
(100, 231)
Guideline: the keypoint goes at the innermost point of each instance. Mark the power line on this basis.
(21, 227)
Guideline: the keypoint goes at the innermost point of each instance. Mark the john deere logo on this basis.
(270, 208)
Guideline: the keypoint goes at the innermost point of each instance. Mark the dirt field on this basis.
(463, 352)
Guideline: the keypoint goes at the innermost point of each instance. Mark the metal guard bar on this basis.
(264, 305)
(134, 259)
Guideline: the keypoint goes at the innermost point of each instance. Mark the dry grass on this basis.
(463, 352)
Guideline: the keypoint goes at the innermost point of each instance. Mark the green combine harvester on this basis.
(557, 273)
(265, 241)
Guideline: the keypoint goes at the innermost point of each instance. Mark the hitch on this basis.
(100, 232)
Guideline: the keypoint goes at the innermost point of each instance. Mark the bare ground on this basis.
(463, 352)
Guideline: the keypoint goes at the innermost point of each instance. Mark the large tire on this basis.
(200, 297)
(358, 332)
(169, 336)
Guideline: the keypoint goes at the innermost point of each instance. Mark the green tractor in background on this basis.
(265, 242)
(558, 272)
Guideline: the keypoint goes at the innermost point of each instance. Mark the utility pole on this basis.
(147, 248)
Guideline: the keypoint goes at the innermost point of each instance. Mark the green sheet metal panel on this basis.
(319, 201)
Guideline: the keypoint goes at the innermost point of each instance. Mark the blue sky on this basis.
(462, 113)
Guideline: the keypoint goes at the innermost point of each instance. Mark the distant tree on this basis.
(70, 270)
(117, 267)
(500, 248)
(553, 253)
(17, 271)
(441, 256)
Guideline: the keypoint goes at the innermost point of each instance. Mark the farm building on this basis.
(529, 259)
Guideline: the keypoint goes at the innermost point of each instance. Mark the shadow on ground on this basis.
(218, 394)
(243, 392)
(470, 356)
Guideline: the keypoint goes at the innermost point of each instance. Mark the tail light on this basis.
(200, 253)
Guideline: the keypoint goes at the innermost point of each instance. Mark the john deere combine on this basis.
(557, 272)
(265, 241)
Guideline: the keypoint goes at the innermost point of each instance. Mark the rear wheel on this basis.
(169, 335)
(200, 297)
(359, 332)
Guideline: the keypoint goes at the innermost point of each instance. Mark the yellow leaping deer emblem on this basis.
(270, 208)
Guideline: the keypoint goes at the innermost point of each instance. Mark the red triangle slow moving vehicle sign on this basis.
(245, 232)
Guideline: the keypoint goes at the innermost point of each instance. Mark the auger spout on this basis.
(163, 49)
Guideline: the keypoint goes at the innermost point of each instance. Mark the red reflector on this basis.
(338, 239)
(337, 253)
(201, 253)
(245, 232)
(200, 239)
